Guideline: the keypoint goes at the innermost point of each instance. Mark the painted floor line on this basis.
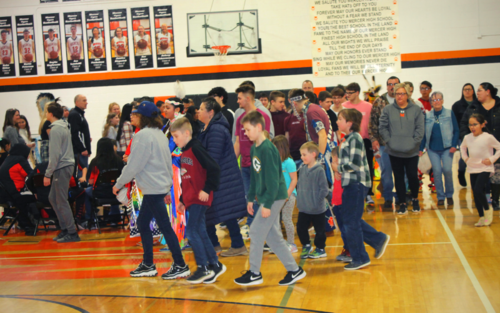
(475, 282)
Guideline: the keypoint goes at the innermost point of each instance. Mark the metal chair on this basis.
(10, 211)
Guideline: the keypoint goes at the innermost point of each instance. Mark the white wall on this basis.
(425, 26)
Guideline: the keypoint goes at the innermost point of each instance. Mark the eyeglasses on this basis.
(468, 89)
(401, 94)
(425, 88)
(436, 100)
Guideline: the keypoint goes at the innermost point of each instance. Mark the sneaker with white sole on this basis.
(305, 251)
(245, 232)
(175, 271)
(480, 223)
(218, 270)
(144, 271)
(234, 252)
(356, 266)
(292, 277)
(370, 201)
(200, 275)
(379, 252)
(317, 254)
(249, 279)
(488, 217)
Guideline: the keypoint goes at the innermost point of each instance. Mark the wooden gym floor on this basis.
(437, 261)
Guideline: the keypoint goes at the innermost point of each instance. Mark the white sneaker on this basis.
(293, 248)
(488, 217)
(245, 232)
(480, 223)
(369, 200)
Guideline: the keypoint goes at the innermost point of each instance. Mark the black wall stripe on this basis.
(242, 74)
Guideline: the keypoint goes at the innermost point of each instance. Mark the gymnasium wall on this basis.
(448, 42)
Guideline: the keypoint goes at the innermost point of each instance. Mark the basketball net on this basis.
(220, 52)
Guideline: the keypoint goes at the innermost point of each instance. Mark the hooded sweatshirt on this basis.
(312, 189)
(60, 147)
(402, 129)
(15, 169)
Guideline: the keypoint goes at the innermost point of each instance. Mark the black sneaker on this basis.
(402, 208)
(416, 206)
(218, 270)
(69, 238)
(144, 271)
(388, 204)
(175, 271)
(83, 225)
(202, 273)
(61, 234)
(381, 249)
(292, 277)
(249, 279)
(266, 247)
(355, 266)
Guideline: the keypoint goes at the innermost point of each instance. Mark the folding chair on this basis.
(10, 212)
(106, 178)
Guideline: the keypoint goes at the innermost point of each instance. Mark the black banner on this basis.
(52, 43)
(120, 54)
(48, 1)
(6, 48)
(26, 45)
(142, 37)
(74, 43)
(164, 28)
(95, 41)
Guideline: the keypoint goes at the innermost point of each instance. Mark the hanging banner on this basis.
(142, 37)
(26, 45)
(120, 56)
(48, 1)
(354, 37)
(165, 54)
(95, 41)
(6, 47)
(74, 42)
(52, 43)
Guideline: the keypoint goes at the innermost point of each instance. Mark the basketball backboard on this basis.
(238, 29)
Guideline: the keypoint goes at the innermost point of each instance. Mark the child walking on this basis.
(355, 174)
(290, 174)
(200, 178)
(268, 188)
(311, 202)
(480, 164)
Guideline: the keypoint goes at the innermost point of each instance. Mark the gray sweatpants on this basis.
(58, 198)
(269, 230)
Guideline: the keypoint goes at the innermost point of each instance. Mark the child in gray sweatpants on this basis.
(268, 187)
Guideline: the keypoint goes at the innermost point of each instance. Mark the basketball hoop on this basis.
(220, 52)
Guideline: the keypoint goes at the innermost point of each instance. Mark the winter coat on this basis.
(229, 200)
(15, 169)
(494, 128)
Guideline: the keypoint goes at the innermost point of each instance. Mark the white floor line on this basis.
(404, 244)
(482, 295)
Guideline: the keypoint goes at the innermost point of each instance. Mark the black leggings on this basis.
(319, 223)
(400, 166)
(369, 158)
(478, 183)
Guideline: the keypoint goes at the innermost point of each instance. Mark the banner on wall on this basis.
(120, 55)
(52, 43)
(26, 45)
(7, 47)
(353, 37)
(141, 30)
(48, 1)
(74, 43)
(165, 54)
(95, 41)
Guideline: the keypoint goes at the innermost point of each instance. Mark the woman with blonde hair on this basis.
(114, 108)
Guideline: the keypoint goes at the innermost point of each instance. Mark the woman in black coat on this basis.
(229, 201)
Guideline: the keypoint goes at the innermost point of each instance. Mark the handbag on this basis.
(424, 163)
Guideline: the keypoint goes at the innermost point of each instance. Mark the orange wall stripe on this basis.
(457, 54)
(157, 72)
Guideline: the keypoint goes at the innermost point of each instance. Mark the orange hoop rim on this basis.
(222, 49)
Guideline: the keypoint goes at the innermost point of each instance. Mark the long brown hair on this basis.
(108, 124)
(281, 144)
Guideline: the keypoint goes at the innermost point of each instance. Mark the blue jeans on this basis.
(337, 210)
(83, 161)
(357, 230)
(154, 206)
(441, 164)
(196, 233)
(115, 209)
(234, 233)
(386, 175)
(245, 173)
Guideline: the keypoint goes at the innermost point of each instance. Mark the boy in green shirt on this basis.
(268, 188)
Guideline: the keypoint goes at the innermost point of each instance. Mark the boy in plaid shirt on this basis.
(352, 168)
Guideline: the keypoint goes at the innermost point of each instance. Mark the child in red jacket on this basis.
(200, 178)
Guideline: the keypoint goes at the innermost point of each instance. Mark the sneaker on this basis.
(249, 279)
(305, 251)
(342, 255)
(175, 271)
(440, 202)
(235, 252)
(293, 248)
(83, 225)
(292, 277)
(370, 201)
(415, 205)
(266, 247)
(222, 226)
(218, 269)
(241, 220)
(388, 204)
(461, 178)
(317, 254)
(488, 217)
(355, 266)
(202, 273)
(69, 238)
(480, 223)
(61, 234)
(144, 271)
(379, 252)
(245, 232)
(218, 250)
(402, 209)
(449, 201)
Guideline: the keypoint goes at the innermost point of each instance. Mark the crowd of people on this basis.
(258, 163)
